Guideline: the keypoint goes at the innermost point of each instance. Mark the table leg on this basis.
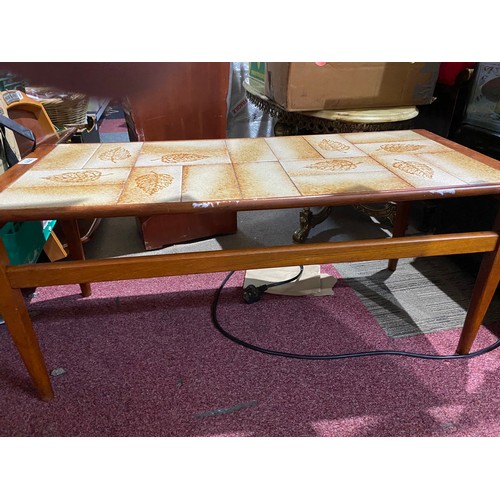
(484, 289)
(308, 220)
(400, 225)
(486, 284)
(75, 247)
(18, 321)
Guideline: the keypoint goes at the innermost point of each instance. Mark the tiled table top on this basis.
(235, 171)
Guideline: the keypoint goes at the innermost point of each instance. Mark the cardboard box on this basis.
(310, 86)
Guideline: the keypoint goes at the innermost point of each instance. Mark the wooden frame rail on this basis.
(64, 273)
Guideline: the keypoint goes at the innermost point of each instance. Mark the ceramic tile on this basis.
(67, 157)
(332, 166)
(209, 183)
(385, 136)
(249, 150)
(114, 155)
(292, 148)
(67, 196)
(349, 182)
(182, 153)
(463, 167)
(418, 172)
(264, 180)
(333, 146)
(81, 179)
(409, 147)
(153, 185)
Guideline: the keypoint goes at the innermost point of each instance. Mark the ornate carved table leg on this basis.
(386, 211)
(308, 220)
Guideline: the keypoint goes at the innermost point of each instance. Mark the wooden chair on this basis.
(32, 115)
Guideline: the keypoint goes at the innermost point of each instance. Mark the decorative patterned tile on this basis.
(335, 175)
(154, 154)
(292, 148)
(81, 179)
(67, 196)
(332, 166)
(249, 150)
(61, 188)
(348, 182)
(67, 157)
(264, 180)
(333, 146)
(153, 185)
(418, 171)
(114, 155)
(463, 167)
(385, 136)
(408, 147)
(209, 183)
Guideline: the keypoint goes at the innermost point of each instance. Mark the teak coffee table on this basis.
(71, 181)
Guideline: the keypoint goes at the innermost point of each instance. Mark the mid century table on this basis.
(71, 181)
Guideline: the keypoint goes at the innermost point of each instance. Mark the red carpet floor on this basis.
(142, 358)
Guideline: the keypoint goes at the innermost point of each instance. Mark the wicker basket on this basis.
(65, 109)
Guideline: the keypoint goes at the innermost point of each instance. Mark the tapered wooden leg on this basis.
(486, 284)
(15, 314)
(400, 225)
(75, 247)
(484, 289)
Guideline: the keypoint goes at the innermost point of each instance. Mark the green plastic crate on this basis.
(24, 241)
(258, 71)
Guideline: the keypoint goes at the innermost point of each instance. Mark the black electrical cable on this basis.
(314, 357)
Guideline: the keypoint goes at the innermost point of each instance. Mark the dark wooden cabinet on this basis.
(189, 104)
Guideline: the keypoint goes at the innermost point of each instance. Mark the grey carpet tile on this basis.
(421, 296)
